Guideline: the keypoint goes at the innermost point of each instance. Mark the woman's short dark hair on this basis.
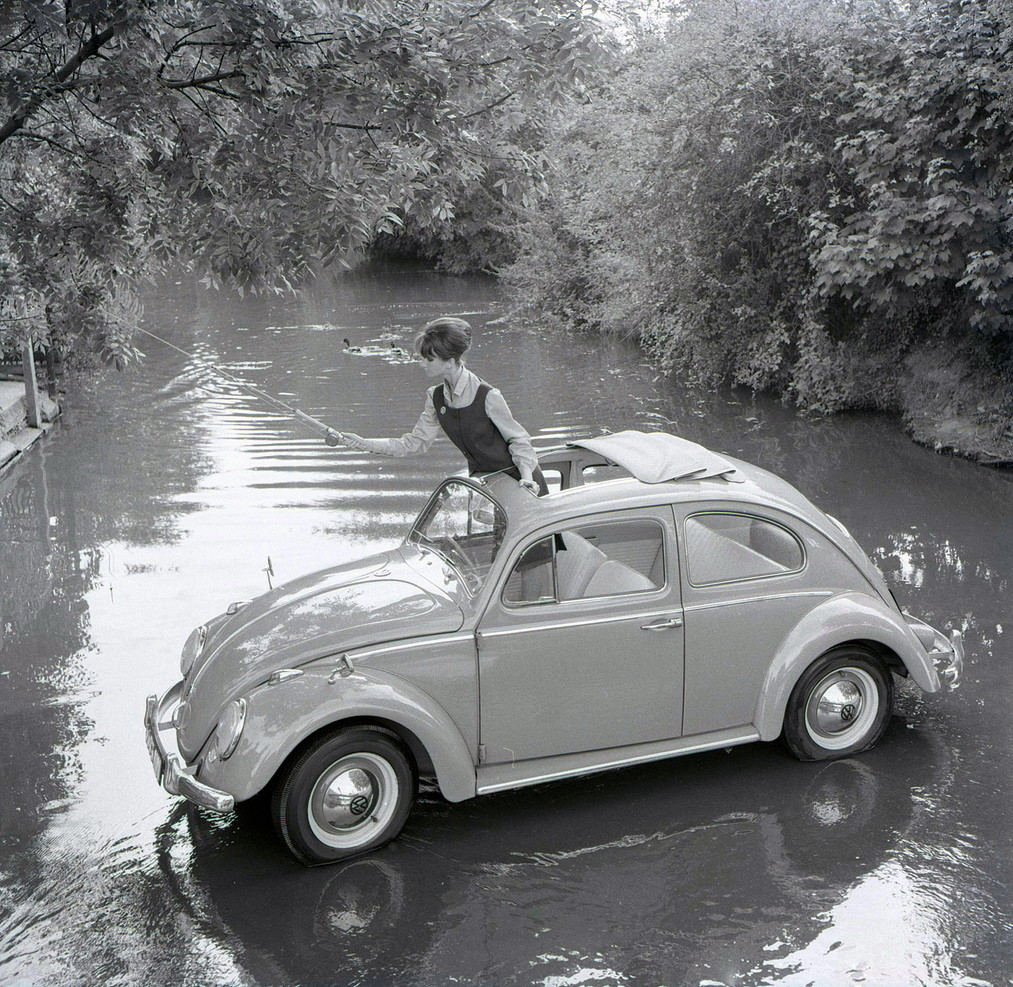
(446, 339)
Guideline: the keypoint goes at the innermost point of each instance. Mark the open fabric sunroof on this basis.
(654, 457)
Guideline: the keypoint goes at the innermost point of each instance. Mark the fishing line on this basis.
(331, 435)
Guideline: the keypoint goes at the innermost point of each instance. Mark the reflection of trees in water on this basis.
(58, 506)
(129, 467)
(949, 583)
(919, 559)
(101, 913)
(97, 483)
(44, 624)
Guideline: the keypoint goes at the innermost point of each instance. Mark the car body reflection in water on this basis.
(612, 879)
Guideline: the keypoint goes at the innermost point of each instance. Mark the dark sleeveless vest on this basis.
(474, 432)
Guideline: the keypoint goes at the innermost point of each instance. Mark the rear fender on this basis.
(281, 716)
(840, 620)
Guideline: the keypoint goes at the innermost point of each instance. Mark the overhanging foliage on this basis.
(251, 142)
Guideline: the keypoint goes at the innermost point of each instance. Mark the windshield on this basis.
(464, 526)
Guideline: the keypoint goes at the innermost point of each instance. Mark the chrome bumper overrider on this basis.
(950, 662)
(171, 772)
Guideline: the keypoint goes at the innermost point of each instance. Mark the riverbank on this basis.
(16, 435)
(957, 408)
(964, 435)
(946, 409)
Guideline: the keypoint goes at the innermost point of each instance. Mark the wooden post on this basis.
(31, 387)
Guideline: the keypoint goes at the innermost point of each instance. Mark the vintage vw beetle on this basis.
(661, 600)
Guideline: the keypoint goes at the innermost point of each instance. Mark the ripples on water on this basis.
(160, 498)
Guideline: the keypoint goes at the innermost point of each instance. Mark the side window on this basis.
(610, 559)
(533, 577)
(592, 561)
(726, 547)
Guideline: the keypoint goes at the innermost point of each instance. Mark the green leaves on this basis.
(791, 194)
(258, 142)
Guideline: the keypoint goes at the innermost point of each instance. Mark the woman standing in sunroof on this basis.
(470, 412)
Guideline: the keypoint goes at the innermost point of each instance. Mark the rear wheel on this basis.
(349, 792)
(840, 706)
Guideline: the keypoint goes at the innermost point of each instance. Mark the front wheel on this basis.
(349, 792)
(840, 706)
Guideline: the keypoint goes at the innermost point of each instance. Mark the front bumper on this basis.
(171, 772)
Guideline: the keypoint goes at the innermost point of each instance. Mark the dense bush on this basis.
(807, 197)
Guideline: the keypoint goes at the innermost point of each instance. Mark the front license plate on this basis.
(153, 753)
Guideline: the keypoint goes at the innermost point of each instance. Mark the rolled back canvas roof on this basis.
(654, 457)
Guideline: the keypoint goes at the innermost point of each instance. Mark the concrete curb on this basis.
(15, 434)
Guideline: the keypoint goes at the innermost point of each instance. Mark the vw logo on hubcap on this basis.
(358, 805)
(848, 712)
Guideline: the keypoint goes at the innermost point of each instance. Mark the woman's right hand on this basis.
(354, 441)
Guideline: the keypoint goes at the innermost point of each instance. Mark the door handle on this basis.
(662, 625)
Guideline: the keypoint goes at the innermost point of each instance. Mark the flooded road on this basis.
(159, 499)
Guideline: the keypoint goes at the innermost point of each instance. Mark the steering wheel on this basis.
(465, 554)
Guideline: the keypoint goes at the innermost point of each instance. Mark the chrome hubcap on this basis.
(352, 800)
(347, 799)
(838, 707)
(842, 708)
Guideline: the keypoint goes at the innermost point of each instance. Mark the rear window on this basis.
(723, 548)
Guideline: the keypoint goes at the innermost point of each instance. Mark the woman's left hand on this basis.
(530, 484)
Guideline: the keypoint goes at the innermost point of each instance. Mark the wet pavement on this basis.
(162, 494)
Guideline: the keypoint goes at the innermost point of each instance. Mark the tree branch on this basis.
(216, 91)
(490, 106)
(204, 111)
(352, 126)
(15, 37)
(202, 82)
(179, 43)
(88, 109)
(31, 135)
(88, 50)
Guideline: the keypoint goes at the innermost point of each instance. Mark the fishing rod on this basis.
(331, 435)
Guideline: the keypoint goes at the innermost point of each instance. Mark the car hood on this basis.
(370, 601)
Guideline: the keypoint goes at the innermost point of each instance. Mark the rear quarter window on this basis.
(724, 547)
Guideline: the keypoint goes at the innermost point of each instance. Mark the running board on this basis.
(518, 774)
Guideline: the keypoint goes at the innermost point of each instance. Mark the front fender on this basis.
(279, 717)
(840, 620)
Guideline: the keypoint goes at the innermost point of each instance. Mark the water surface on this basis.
(164, 492)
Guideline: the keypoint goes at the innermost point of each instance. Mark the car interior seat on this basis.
(576, 562)
(612, 578)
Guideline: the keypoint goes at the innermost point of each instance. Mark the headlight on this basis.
(193, 647)
(230, 728)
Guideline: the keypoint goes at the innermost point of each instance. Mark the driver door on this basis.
(581, 647)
